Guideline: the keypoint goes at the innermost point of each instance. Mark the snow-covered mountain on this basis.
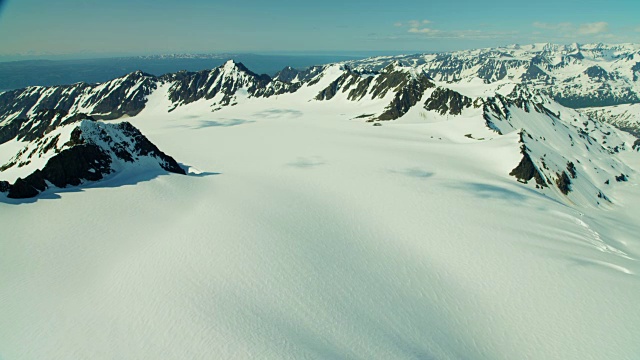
(126, 96)
(492, 84)
(361, 210)
(576, 76)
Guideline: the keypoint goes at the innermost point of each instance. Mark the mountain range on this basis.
(568, 103)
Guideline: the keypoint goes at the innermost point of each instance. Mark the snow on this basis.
(8, 150)
(476, 88)
(133, 89)
(21, 154)
(300, 233)
(10, 117)
(43, 95)
(626, 115)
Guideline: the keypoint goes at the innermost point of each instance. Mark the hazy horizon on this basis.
(99, 56)
(74, 29)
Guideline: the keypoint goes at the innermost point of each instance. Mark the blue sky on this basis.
(101, 27)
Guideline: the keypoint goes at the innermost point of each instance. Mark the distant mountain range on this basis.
(561, 100)
(577, 76)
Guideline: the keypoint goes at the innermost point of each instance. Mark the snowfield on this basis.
(302, 232)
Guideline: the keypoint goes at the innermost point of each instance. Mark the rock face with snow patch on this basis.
(405, 85)
(82, 152)
(446, 101)
(291, 75)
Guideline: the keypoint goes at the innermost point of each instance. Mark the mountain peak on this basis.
(137, 75)
(393, 66)
(232, 65)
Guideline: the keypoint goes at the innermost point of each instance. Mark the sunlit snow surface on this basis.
(304, 234)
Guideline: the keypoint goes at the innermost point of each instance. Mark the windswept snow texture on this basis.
(325, 237)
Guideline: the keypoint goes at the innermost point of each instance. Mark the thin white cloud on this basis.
(598, 29)
(593, 28)
(419, 27)
(417, 24)
(553, 26)
(424, 31)
(426, 28)
(606, 36)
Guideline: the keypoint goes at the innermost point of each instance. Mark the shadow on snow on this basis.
(125, 178)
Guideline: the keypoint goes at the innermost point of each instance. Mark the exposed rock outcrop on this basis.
(527, 170)
(447, 101)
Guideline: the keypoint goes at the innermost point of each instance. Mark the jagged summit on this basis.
(232, 66)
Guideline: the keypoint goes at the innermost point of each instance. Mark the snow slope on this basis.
(303, 233)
